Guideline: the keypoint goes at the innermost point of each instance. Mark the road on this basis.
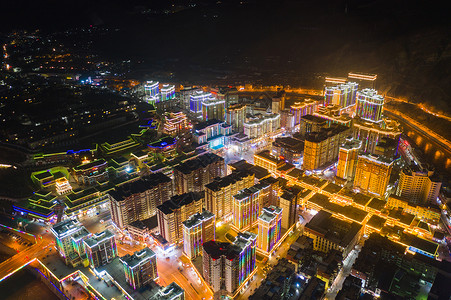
(260, 275)
(168, 270)
(43, 247)
(344, 272)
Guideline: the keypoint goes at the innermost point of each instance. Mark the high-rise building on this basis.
(287, 120)
(172, 213)
(213, 109)
(371, 133)
(418, 185)
(387, 147)
(101, 248)
(343, 95)
(185, 96)
(227, 266)
(322, 148)
(219, 193)
(364, 80)
(278, 102)
(198, 229)
(63, 232)
(152, 92)
(140, 268)
(175, 123)
(196, 100)
(373, 174)
(269, 228)
(247, 205)
(369, 105)
(194, 174)
(347, 158)
(289, 149)
(334, 114)
(167, 92)
(235, 116)
(138, 200)
(260, 125)
(273, 186)
(300, 109)
(288, 201)
(310, 124)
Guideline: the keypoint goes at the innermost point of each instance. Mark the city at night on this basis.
(231, 149)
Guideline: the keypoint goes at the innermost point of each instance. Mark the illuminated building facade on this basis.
(152, 92)
(62, 186)
(373, 174)
(219, 193)
(287, 120)
(172, 213)
(63, 232)
(185, 96)
(288, 201)
(213, 109)
(91, 173)
(235, 116)
(333, 115)
(330, 233)
(289, 149)
(371, 133)
(194, 174)
(212, 134)
(198, 229)
(334, 81)
(140, 268)
(267, 161)
(167, 92)
(138, 200)
(41, 205)
(196, 100)
(343, 95)
(428, 212)
(300, 109)
(321, 148)
(369, 105)
(310, 124)
(247, 205)
(364, 80)
(269, 228)
(175, 123)
(260, 125)
(100, 248)
(418, 185)
(227, 266)
(347, 158)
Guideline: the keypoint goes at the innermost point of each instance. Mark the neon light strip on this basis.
(18, 269)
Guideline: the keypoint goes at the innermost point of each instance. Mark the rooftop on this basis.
(65, 227)
(98, 238)
(376, 222)
(218, 183)
(197, 163)
(178, 201)
(138, 257)
(335, 230)
(332, 188)
(198, 218)
(139, 186)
